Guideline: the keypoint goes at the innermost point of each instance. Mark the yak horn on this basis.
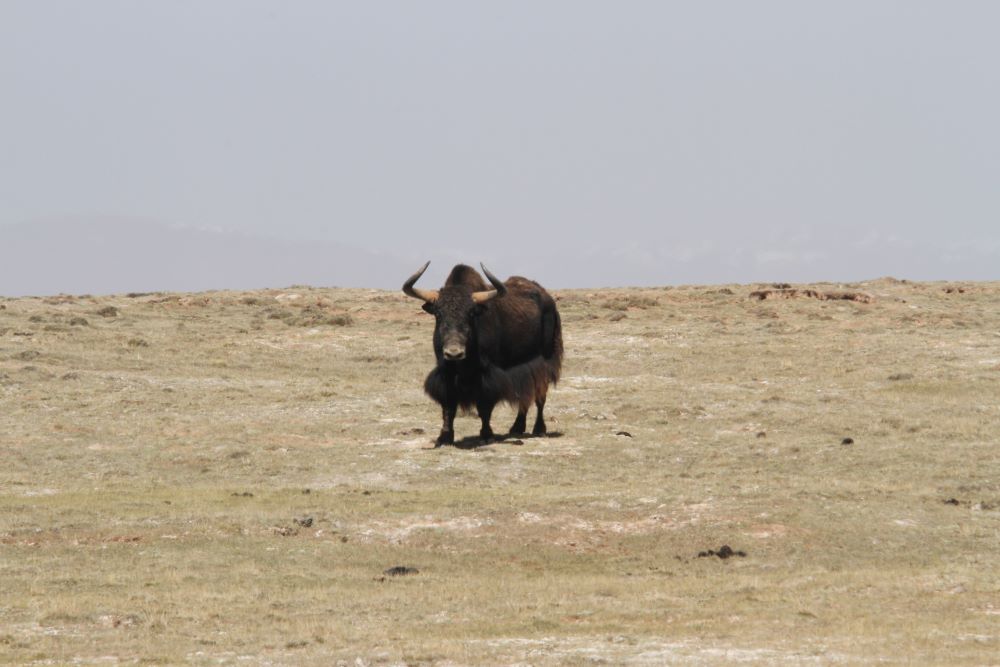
(430, 296)
(483, 297)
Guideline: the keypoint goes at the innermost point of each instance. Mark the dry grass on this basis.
(222, 478)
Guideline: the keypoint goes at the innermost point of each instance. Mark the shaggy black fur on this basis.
(511, 351)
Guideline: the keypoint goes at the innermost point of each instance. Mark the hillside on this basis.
(102, 256)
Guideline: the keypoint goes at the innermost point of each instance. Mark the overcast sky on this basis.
(580, 143)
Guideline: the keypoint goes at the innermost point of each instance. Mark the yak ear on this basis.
(428, 307)
(478, 309)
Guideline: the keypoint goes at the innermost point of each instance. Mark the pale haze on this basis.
(238, 144)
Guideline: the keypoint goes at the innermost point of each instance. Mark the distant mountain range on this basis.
(102, 256)
(106, 257)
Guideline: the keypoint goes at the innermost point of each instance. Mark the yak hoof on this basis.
(539, 429)
(446, 438)
(486, 436)
(516, 429)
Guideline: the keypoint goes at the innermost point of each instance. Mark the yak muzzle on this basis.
(454, 353)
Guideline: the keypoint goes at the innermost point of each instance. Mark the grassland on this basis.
(225, 477)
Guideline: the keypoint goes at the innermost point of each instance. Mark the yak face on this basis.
(455, 314)
(456, 307)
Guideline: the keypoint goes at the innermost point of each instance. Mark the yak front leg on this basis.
(447, 436)
(485, 412)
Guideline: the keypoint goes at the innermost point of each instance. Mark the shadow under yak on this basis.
(475, 442)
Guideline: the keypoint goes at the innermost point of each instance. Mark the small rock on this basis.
(400, 570)
(624, 433)
(305, 522)
(847, 441)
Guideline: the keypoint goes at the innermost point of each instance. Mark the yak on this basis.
(493, 343)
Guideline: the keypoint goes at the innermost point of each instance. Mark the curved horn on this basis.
(483, 297)
(430, 296)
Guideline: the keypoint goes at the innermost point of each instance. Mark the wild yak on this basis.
(492, 344)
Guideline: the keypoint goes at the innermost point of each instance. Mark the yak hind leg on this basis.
(539, 428)
(520, 424)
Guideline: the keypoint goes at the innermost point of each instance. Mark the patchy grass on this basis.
(189, 478)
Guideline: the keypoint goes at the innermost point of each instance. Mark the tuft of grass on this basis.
(631, 301)
(340, 320)
(310, 316)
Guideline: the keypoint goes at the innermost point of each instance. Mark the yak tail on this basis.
(552, 345)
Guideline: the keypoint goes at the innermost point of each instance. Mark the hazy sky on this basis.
(582, 143)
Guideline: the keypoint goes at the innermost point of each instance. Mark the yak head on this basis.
(455, 308)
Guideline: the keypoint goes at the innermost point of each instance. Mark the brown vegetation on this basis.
(790, 293)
